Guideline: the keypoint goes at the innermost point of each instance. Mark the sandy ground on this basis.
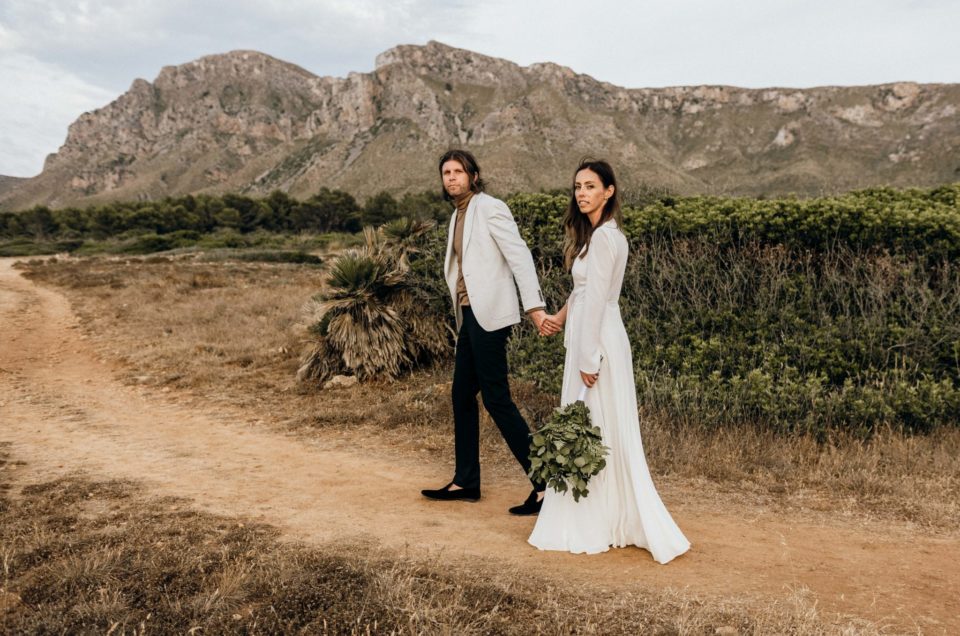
(63, 411)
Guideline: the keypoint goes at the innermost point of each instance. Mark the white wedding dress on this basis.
(622, 507)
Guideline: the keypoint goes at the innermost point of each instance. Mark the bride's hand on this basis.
(589, 378)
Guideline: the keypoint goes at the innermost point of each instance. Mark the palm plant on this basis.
(374, 322)
(403, 236)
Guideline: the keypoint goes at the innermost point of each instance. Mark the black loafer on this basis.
(529, 507)
(445, 494)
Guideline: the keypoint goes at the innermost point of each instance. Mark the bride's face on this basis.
(589, 191)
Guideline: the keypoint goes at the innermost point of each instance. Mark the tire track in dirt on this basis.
(62, 411)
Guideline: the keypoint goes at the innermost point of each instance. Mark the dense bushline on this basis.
(169, 223)
(912, 220)
(920, 220)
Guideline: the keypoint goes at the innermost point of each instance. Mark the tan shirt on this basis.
(462, 203)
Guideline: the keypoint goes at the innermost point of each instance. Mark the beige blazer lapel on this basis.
(469, 222)
(447, 262)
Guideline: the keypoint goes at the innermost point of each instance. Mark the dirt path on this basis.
(62, 411)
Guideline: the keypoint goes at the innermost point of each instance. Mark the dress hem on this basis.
(590, 551)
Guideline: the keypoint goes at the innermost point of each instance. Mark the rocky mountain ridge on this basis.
(247, 122)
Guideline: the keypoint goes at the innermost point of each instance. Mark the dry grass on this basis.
(83, 556)
(229, 334)
(889, 477)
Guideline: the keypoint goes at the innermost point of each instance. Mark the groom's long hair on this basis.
(576, 224)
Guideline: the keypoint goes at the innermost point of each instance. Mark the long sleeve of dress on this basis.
(601, 259)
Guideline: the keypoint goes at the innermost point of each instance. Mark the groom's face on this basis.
(456, 180)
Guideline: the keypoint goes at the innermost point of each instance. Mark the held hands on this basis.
(552, 324)
(549, 324)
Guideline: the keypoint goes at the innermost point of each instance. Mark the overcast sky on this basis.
(59, 58)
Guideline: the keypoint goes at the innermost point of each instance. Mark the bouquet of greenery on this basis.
(567, 451)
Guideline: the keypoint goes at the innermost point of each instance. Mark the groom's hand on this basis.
(537, 317)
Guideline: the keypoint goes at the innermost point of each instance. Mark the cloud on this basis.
(629, 42)
(110, 42)
(749, 43)
(40, 101)
(9, 41)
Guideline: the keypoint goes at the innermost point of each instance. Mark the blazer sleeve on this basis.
(601, 258)
(503, 229)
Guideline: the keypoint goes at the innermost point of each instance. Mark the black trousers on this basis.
(481, 367)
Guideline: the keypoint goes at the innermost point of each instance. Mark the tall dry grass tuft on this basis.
(372, 323)
(891, 476)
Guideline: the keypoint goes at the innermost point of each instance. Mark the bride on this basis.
(623, 507)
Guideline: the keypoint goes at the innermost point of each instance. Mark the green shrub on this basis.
(922, 221)
(793, 339)
(278, 257)
(30, 247)
(149, 243)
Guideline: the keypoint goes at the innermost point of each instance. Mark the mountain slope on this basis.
(9, 183)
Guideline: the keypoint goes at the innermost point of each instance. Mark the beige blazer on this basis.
(494, 256)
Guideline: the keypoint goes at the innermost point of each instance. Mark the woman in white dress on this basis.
(622, 507)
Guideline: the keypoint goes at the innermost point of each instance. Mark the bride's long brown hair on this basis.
(576, 224)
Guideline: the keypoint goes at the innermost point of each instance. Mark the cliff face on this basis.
(246, 122)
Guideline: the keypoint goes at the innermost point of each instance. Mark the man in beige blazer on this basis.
(486, 261)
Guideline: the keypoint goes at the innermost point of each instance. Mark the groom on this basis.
(485, 255)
